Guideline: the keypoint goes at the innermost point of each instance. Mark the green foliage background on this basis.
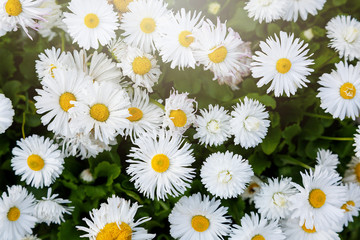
(298, 125)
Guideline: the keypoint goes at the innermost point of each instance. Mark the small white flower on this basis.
(253, 188)
(294, 8)
(87, 176)
(268, 10)
(52, 20)
(352, 174)
(352, 205)
(118, 49)
(214, 8)
(327, 159)
(6, 112)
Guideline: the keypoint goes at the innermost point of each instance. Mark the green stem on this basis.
(23, 125)
(62, 35)
(157, 104)
(317, 115)
(337, 138)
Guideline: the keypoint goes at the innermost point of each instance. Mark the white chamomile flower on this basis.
(160, 165)
(141, 23)
(272, 201)
(25, 13)
(218, 49)
(344, 34)
(293, 231)
(256, 227)
(6, 112)
(252, 189)
(338, 91)
(115, 220)
(16, 213)
(357, 142)
(37, 160)
(327, 159)
(213, 126)
(249, 123)
(104, 69)
(294, 8)
(54, 99)
(102, 108)
(175, 44)
(199, 218)
(352, 174)
(91, 22)
(50, 60)
(51, 210)
(86, 176)
(268, 10)
(179, 111)
(52, 20)
(145, 115)
(214, 8)
(118, 49)
(284, 63)
(141, 68)
(30, 237)
(318, 203)
(225, 175)
(352, 205)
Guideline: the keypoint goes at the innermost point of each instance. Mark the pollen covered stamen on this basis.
(346, 205)
(347, 91)
(252, 187)
(122, 5)
(218, 55)
(213, 126)
(111, 231)
(136, 114)
(52, 70)
(178, 117)
(200, 223)
(91, 20)
(99, 112)
(148, 25)
(65, 99)
(224, 176)
(351, 34)
(283, 65)
(160, 163)
(13, 7)
(141, 65)
(317, 198)
(35, 162)
(13, 214)
(185, 39)
(313, 230)
(258, 237)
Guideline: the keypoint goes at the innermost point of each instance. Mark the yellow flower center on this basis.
(122, 5)
(283, 65)
(65, 99)
(111, 231)
(160, 163)
(224, 176)
(13, 214)
(136, 114)
(218, 55)
(35, 162)
(141, 65)
(13, 7)
(252, 187)
(148, 25)
(258, 237)
(178, 117)
(317, 198)
(99, 112)
(200, 223)
(357, 172)
(91, 20)
(184, 38)
(52, 70)
(347, 91)
(348, 203)
(313, 230)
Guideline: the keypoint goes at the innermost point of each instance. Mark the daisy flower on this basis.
(284, 63)
(6, 112)
(218, 49)
(352, 174)
(37, 160)
(252, 189)
(226, 174)
(213, 126)
(214, 8)
(357, 142)
(25, 13)
(272, 201)
(115, 220)
(199, 218)
(51, 210)
(86, 176)
(268, 10)
(16, 213)
(352, 205)
(175, 44)
(160, 165)
(179, 111)
(293, 231)
(102, 108)
(343, 32)
(338, 91)
(104, 69)
(249, 123)
(294, 8)
(318, 203)
(91, 23)
(141, 23)
(145, 116)
(54, 99)
(141, 68)
(255, 227)
(118, 49)
(327, 159)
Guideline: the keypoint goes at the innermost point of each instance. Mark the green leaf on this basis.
(7, 64)
(68, 231)
(271, 140)
(339, 2)
(259, 162)
(264, 99)
(240, 21)
(11, 88)
(105, 169)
